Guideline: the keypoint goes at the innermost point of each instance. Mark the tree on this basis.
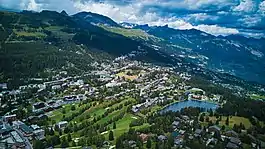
(64, 142)
(157, 146)
(38, 144)
(69, 138)
(73, 107)
(114, 125)
(149, 143)
(223, 128)
(202, 118)
(227, 120)
(111, 136)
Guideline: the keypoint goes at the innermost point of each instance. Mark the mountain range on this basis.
(232, 55)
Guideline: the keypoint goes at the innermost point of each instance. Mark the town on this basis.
(116, 101)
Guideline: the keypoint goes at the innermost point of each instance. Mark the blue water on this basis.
(190, 103)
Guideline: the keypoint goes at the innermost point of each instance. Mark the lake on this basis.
(190, 103)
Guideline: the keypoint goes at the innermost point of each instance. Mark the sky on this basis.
(217, 17)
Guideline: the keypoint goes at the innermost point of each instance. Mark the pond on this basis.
(190, 103)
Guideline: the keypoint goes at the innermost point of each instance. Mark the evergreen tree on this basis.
(202, 118)
(149, 143)
(69, 138)
(111, 136)
(227, 121)
(114, 125)
(64, 142)
(38, 144)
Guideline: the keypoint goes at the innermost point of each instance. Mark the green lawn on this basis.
(57, 115)
(257, 97)
(234, 120)
(30, 34)
(122, 125)
(130, 32)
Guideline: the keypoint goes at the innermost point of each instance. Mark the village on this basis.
(124, 92)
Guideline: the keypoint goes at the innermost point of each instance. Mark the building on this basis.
(198, 133)
(62, 124)
(26, 130)
(39, 134)
(10, 118)
(162, 138)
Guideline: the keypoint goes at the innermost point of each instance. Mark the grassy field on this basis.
(234, 120)
(123, 74)
(130, 32)
(57, 115)
(122, 125)
(30, 34)
(257, 97)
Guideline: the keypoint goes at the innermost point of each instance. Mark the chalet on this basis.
(10, 118)
(235, 141)
(214, 129)
(162, 138)
(3, 86)
(231, 133)
(27, 131)
(132, 143)
(175, 124)
(32, 119)
(38, 106)
(5, 130)
(18, 142)
(198, 132)
(62, 124)
(39, 134)
(231, 146)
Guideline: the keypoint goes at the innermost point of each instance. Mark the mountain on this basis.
(64, 13)
(234, 54)
(96, 18)
(33, 42)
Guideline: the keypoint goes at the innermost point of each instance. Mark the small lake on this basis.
(190, 103)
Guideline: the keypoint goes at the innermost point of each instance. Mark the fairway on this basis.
(234, 120)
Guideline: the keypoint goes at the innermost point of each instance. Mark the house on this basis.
(231, 146)
(176, 124)
(10, 118)
(162, 138)
(178, 141)
(235, 141)
(39, 134)
(17, 140)
(38, 106)
(43, 117)
(143, 137)
(62, 124)
(5, 130)
(215, 129)
(132, 143)
(27, 131)
(198, 133)
(3, 86)
(32, 119)
(231, 133)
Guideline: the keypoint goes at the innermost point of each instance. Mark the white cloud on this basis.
(137, 11)
(262, 7)
(246, 6)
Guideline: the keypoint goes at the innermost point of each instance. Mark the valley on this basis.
(85, 81)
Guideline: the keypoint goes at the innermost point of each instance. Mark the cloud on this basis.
(218, 17)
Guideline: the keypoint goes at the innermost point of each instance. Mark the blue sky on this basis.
(218, 17)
